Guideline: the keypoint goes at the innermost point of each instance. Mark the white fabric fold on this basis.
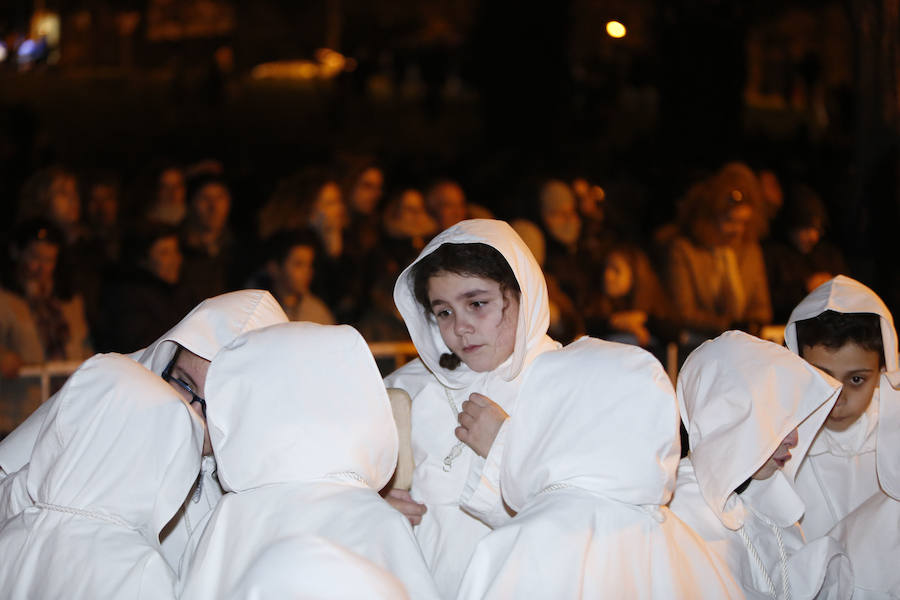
(446, 534)
(304, 438)
(313, 567)
(208, 327)
(589, 465)
(739, 397)
(115, 457)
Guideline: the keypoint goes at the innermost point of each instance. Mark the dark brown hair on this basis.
(835, 329)
(473, 260)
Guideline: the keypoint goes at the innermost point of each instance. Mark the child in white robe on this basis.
(751, 410)
(460, 486)
(304, 438)
(211, 325)
(590, 464)
(850, 479)
(114, 458)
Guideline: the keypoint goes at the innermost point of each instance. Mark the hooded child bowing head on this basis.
(751, 410)
(187, 347)
(114, 458)
(304, 438)
(475, 304)
(589, 465)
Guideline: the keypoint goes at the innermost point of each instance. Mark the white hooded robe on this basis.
(116, 455)
(211, 325)
(590, 463)
(850, 480)
(304, 438)
(739, 397)
(460, 489)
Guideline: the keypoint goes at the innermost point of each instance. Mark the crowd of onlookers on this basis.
(86, 272)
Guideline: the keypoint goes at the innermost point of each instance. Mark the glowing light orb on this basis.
(615, 29)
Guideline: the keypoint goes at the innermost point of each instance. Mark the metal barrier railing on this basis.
(400, 352)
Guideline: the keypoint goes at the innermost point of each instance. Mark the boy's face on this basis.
(854, 366)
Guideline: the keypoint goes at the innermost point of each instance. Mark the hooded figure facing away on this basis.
(850, 480)
(746, 404)
(589, 465)
(212, 324)
(304, 438)
(115, 457)
(496, 334)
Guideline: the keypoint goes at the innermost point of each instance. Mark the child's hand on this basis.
(402, 501)
(479, 422)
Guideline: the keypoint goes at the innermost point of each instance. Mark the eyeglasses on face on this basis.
(169, 378)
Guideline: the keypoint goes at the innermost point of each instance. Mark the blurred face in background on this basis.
(367, 191)
(295, 273)
(64, 205)
(171, 190)
(329, 212)
(805, 238)
(36, 267)
(410, 218)
(559, 213)
(734, 223)
(447, 204)
(590, 199)
(212, 203)
(164, 259)
(617, 276)
(103, 205)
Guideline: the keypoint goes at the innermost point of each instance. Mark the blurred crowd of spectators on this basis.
(83, 274)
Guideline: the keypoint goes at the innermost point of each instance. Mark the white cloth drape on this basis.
(208, 327)
(448, 475)
(313, 567)
(304, 438)
(739, 397)
(116, 455)
(590, 464)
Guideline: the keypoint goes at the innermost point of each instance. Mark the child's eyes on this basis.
(442, 314)
(857, 380)
(478, 303)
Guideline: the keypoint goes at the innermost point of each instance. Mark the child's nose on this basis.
(792, 439)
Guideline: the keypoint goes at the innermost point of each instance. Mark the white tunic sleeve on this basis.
(481, 495)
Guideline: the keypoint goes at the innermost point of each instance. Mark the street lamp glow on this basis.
(615, 29)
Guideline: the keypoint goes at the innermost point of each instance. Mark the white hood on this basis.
(208, 327)
(534, 309)
(304, 437)
(313, 567)
(212, 325)
(739, 397)
(595, 415)
(94, 449)
(308, 401)
(845, 295)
